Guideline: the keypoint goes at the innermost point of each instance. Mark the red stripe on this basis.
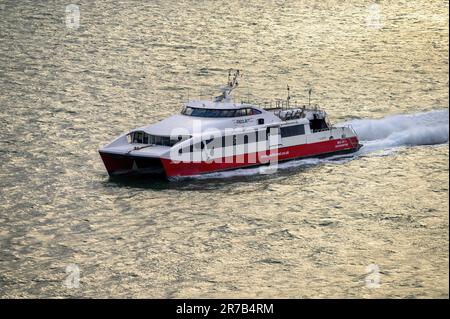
(281, 154)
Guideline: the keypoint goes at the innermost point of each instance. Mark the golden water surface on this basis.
(313, 229)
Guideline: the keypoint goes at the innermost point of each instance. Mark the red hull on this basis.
(124, 164)
(281, 154)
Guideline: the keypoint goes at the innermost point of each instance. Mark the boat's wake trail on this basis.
(428, 128)
(385, 134)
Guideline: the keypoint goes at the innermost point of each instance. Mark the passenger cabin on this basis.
(285, 123)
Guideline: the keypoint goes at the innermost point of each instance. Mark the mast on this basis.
(231, 85)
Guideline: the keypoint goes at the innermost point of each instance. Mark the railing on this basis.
(284, 105)
(333, 128)
(277, 104)
(340, 128)
(323, 129)
(351, 128)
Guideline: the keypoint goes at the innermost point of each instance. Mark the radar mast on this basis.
(227, 89)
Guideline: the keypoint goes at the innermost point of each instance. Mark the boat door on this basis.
(273, 137)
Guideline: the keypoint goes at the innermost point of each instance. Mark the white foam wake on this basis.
(427, 128)
(385, 134)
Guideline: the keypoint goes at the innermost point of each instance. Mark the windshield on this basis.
(201, 112)
(140, 137)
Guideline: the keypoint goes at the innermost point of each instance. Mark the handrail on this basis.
(276, 104)
(323, 129)
(332, 128)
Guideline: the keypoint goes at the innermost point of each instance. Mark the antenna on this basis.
(309, 98)
(289, 94)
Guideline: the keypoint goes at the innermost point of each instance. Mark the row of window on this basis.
(200, 112)
(259, 136)
(140, 137)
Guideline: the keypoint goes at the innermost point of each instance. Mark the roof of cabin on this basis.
(206, 104)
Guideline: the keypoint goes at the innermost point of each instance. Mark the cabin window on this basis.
(241, 112)
(317, 124)
(247, 112)
(165, 140)
(293, 130)
(228, 113)
(140, 137)
(214, 113)
(202, 112)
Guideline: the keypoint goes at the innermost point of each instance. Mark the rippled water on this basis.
(313, 229)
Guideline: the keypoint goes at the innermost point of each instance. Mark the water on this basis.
(313, 229)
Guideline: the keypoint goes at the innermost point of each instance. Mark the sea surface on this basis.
(372, 225)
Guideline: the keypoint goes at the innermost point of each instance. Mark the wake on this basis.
(384, 135)
(429, 128)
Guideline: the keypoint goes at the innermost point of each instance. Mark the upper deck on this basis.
(223, 112)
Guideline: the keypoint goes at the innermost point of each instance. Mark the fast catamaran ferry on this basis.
(221, 134)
